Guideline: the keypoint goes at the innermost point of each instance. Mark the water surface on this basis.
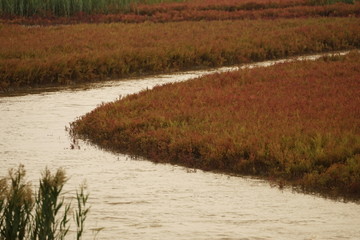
(137, 199)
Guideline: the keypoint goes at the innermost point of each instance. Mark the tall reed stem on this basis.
(81, 212)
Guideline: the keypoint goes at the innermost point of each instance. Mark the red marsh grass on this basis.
(67, 54)
(194, 11)
(295, 123)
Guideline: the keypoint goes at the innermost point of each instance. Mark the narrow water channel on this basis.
(137, 199)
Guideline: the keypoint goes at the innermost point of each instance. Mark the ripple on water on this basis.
(142, 200)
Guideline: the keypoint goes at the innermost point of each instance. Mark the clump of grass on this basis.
(45, 215)
(297, 123)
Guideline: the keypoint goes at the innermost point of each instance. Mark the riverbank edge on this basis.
(6, 91)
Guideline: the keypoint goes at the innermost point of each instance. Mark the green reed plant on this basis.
(328, 2)
(66, 7)
(24, 215)
(48, 203)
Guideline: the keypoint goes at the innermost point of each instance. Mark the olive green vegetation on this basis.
(38, 216)
(293, 123)
(328, 2)
(67, 7)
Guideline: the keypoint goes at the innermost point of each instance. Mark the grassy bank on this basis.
(295, 123)
(55, 55)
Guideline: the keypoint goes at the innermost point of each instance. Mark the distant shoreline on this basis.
(75, 54)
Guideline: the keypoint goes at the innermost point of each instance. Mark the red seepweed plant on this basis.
(69, 54)
(295, 123)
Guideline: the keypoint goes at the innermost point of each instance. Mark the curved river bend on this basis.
(137, 199)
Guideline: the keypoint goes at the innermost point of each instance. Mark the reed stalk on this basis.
(81, 212)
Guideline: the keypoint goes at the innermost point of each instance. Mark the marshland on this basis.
(129, 96)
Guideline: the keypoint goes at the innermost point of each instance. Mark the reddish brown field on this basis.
(202, 10)
(68, 54)
(295, 123)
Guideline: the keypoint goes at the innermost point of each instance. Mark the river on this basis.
(138, 199)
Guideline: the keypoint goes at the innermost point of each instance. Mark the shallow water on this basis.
(137, 199)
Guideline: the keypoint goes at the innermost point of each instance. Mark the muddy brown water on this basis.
(137, 199)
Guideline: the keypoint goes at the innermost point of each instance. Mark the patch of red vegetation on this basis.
(201, 10)
(295, 122)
